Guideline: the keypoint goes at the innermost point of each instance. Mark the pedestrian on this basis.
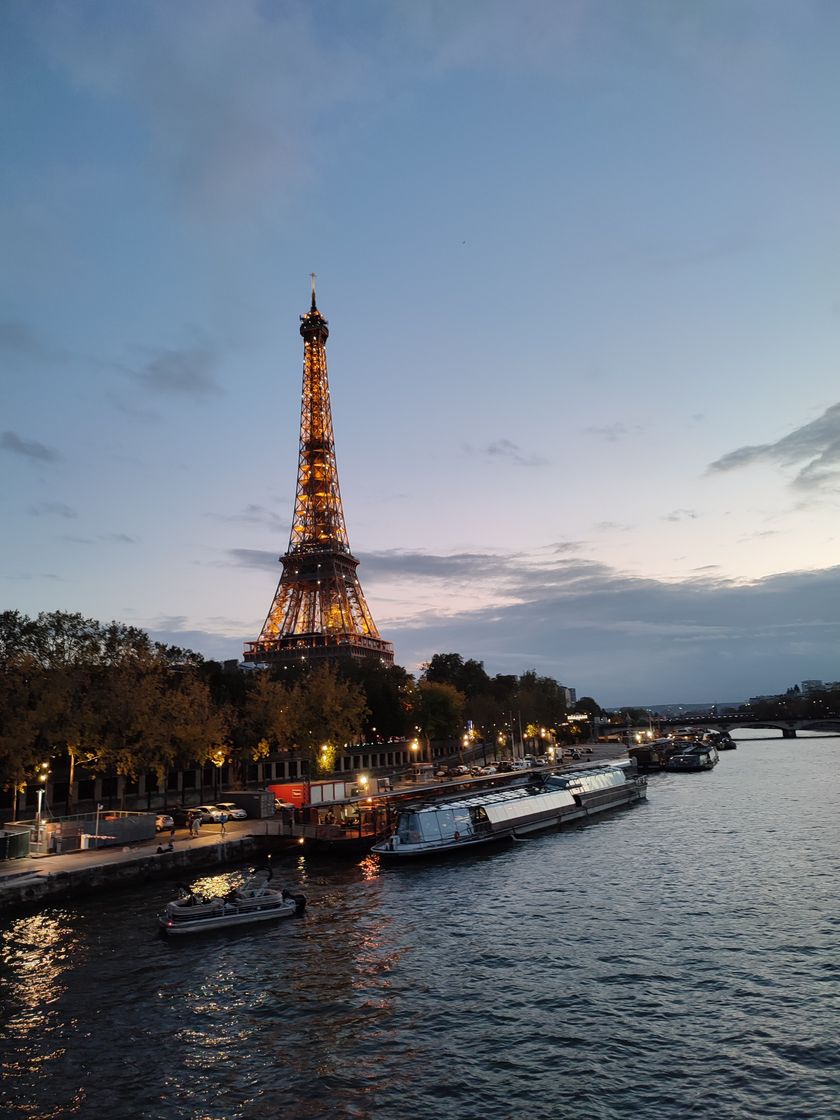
(197, 823)
(172, 832)
(223, 823)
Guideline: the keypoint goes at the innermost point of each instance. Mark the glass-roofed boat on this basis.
(454, 824)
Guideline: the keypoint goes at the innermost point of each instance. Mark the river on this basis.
(675, 959)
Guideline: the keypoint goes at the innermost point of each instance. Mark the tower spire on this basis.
(319, 611)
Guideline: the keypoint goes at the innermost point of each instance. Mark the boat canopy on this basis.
(582, 782)
(527, 805)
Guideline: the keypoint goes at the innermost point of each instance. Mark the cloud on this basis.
(52, 509)
(28, 448)
(254, 558)
(619, 637)
(505, 449)
(612, 433)
(631, 640)
(184, 372)
(612, 527)
(20, 340)
(817, 445)
(225, 93)
(680, 515)
(254, 515)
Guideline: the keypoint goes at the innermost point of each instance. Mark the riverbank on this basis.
(39, 879)
(52, 878)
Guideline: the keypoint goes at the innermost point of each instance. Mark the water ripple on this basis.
(674, 960)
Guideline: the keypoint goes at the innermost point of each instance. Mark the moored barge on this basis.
(694, 756)
(456, 824)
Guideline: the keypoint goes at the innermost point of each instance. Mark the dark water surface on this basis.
(675, 959)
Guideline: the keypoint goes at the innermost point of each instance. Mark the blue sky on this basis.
(580, 266)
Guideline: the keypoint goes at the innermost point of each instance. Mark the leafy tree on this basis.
(437, 710)
(324, 710)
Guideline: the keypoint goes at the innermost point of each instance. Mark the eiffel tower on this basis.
(319, 612)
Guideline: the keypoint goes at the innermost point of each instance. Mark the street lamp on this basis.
(42, 774)
(218, 757)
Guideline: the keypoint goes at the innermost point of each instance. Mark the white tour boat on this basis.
(254, 901)
(465, 822)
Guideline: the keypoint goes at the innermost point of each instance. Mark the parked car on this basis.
(278, 805)
(487, 770)
(163, 822)
(233, 812)
(209, 814)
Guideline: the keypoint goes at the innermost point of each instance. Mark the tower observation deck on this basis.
(319, 612)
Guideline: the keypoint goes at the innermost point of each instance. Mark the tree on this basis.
(437, 711)
(324, 711)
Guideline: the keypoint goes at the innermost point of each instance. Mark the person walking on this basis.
(223, 823)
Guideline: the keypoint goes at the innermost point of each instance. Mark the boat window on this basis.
(408, 828)
(432, 826)
(462, 821)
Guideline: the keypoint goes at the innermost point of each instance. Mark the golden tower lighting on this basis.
(319, 612)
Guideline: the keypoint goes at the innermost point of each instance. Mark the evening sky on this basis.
(579, 261)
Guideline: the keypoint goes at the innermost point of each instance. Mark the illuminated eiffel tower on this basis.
(319, 612)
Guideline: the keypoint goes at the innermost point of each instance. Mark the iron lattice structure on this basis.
(319, 611)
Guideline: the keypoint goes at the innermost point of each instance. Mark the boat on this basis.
(654, 755)
(253, 901)
(694, 756)
(457, 824)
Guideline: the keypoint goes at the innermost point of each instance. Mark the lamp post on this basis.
(218, 757)
(42, 775)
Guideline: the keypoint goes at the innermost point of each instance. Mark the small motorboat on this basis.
(253, 901)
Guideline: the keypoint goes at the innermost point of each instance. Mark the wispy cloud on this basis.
(817, 445)
(255, 515)
(221, 147)
(612, 527)
(28, 448)
(183, 372)
(612, 433)
(505, 450)
(254, 558)
(19, 339)
(52, 509)
(680, 515)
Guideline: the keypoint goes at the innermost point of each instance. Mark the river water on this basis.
(675, 959)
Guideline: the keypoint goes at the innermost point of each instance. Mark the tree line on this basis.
(106, 697)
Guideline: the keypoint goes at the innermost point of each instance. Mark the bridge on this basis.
(829, 725)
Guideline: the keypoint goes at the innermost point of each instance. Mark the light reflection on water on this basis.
(675, 959)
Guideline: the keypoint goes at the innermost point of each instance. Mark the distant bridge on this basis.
(830, 725)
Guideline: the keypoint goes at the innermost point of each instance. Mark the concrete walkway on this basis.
(37, 877)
